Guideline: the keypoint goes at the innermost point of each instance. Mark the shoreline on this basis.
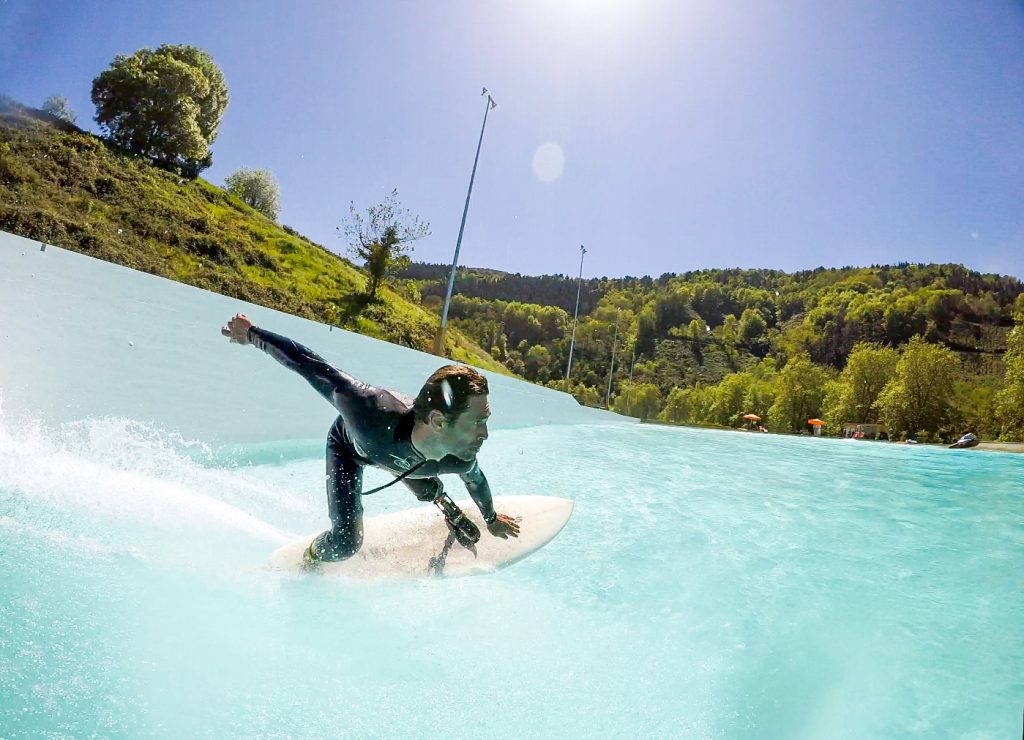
(1000, 446)
(1016, 447)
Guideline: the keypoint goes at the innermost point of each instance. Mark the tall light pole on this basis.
(632, 362)
(576, 313)
(611, 370)
(439, 339)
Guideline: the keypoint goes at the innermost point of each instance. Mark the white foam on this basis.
(125, 470)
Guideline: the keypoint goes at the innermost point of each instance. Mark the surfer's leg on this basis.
(344, 504)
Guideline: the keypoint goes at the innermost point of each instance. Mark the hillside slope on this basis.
(66, 187)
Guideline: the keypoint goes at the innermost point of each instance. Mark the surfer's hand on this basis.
(237, 329)
(503, 526)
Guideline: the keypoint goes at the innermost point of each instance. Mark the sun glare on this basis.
(548, 162)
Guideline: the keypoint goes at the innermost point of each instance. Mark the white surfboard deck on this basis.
(412, 543)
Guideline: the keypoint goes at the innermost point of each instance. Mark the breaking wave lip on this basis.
(126, 469)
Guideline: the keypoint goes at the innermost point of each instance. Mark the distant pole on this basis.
(632, 362)
(439, 339)
(575, 315)
(611, 370)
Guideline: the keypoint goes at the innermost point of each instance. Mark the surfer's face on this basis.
(464, 436)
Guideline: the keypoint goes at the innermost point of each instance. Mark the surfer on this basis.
(439, 432)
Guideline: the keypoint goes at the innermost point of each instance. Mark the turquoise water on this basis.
(710, 584)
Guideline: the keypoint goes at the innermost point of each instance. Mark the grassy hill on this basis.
(66, 187)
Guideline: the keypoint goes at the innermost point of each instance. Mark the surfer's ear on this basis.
(437, 420)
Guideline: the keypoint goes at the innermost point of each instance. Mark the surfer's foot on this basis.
(311, 559)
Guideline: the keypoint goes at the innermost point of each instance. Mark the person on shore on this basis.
(439, 432)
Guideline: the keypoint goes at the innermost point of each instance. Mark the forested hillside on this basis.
(713, 345)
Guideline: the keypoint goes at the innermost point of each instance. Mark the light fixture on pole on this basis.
(439, 339)
(576, 313)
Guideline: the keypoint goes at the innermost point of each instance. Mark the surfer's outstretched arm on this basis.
(339, 388)
(499, 525)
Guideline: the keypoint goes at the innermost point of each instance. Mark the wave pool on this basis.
(710, 584)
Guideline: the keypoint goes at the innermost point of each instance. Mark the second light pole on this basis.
(572, 342)
(439, 339)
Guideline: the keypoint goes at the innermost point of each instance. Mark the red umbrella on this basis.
(752, 417)
(816, 422)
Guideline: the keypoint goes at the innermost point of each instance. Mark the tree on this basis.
(538, 362)
(800, 389)
(729, 402)
(677, 406)
(752, 326)
(1009, 402)
(257, 189)
(381, 238)
(918, 398)
(641, 400)
(59, 107)
(852, 396)
(587, 395)
(164, 104)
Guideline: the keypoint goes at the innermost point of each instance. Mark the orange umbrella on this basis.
(752, 417)
(816, 422)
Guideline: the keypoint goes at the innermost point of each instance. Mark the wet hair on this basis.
(448, 390)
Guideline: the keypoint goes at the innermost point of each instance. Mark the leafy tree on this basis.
(752, 326)
(587, 395)
(711, 301)
(800, 390)
(381, 238)
(918, 398)
(164, 104)
(1009, 402)
(257, 189)
(974, 406)
(729, 402)
(58, 106)
(678, 407)
(641, 400)
(903, 319)
(852, 396)
(538, 363)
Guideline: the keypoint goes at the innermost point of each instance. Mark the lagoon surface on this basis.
(709, 584)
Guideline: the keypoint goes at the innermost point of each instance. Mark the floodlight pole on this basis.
(611, 370)
(439, 339)
(575, 315)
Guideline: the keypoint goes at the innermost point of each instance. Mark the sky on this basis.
(665, 135)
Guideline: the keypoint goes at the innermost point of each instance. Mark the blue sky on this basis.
(690, 134)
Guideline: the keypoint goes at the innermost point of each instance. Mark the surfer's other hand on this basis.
(503, 526)
(237, 329)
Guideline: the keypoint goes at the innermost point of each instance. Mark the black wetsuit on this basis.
(374, 427)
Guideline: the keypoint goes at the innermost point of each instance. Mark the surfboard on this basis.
(416, 543)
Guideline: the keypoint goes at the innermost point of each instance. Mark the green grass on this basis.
(65, 187)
